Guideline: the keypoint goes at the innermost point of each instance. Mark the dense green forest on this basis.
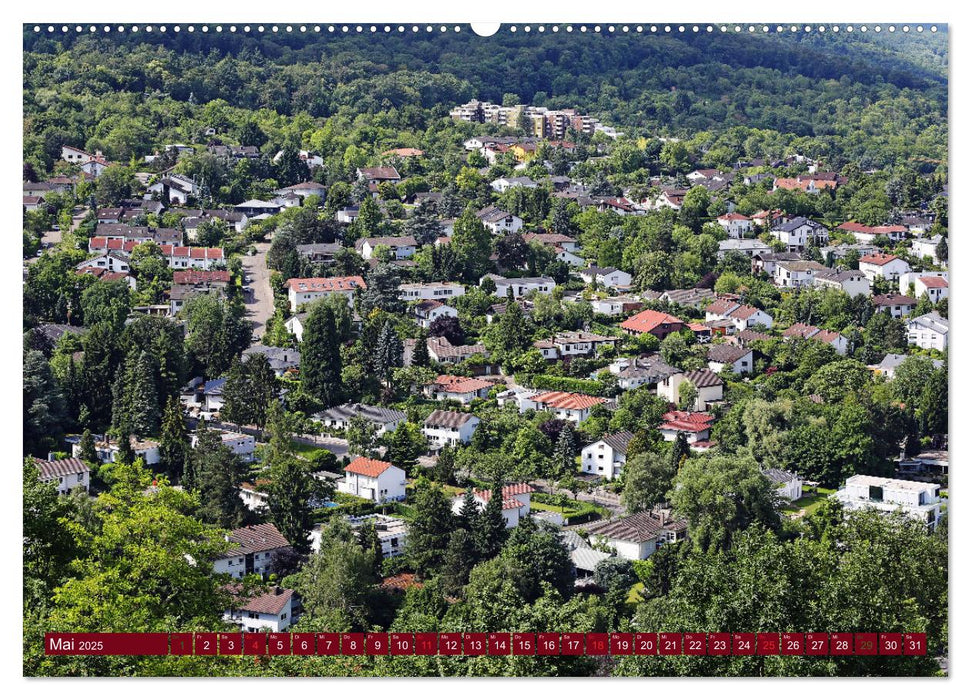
(857, 97)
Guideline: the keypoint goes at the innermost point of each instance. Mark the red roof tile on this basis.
(368, 467)
(326, 284)
(648, 320)
(567, 400)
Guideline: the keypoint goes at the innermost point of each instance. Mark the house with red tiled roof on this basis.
(711, 388)
(696, 425)
(657, 323)
(374, 480)
(461, 389)
(933, 287)
(897, 305)
(804, 331)
(516, 500)
(741, 316)
(266, 608)
(866, 234)
(806, 183)
(736, 225)
(883, 265)
(566, 405)
(65, 473)
(304, 290)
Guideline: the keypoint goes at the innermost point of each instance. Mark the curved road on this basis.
(259, 302)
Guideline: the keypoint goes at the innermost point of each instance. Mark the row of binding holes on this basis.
(414, 28)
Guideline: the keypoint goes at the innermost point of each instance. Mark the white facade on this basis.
(890, 269)
(916, 499)
(441, 433)
(735, 225)
(251, 621)
(386, 486)
(928, 331)
(600, 459)
(522, 285)
(436, 291)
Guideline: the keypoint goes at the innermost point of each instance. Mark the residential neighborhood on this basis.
(481, 357)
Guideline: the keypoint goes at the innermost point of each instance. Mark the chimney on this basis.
(50, 456)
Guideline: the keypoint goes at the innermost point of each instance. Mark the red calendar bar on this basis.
(105, 644)
(352, 643)
(278, 644)
(645, 644)
(548, 643)
(601, 644)
(865, 644)
(669, 643)
(500, 644)
(254, 644)
(571, 643)
(523, 643)
(841, 644)
(304, 644)
(621, 643)
(743, 644)
(181, 644)
(793, 644)
(719, 644)
(695, 643)
(328, 644)
(376, 643)
(450, 643)
(891, 644)
(817, 644)
(402, 644)
(767, 643)
(476, 643)
(426, 643)
(915, 644)
(205, 644)
(230, 644)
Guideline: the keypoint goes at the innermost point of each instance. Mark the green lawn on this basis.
(808, 504)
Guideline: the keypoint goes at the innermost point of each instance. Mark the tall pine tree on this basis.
(173, 441)
(491, 533)
(320, 361)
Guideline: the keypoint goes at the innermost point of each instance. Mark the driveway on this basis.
(259, 302)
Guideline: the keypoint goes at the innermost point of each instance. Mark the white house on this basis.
(255, 495)
(735, 225)
(640, 371)
(108, 450)
(637, 537)
(926, 248)
(516, 499)
(505, 183)
(788, 485)
(695, 425)
(837, 340)
(867, 234)
(462, 389)
(251, 550)
(897, 305)
(402, 247)
(883, 265)
(934, 288)
(520, 285)
(434, 291)
(305, 290)
(741, 316)
(928, 331)
(735, 359)
(429, 310)
(800, 232)
(606, 277)
(449, 427)
(573, 344)
(440, 350)
(392, 532)
(374, 480)
(66, 474)
(797, 273)
(240, 444)
(566, 405)
(499, 222)
(916, 499)
(709, 385)
(385, 420)
(853, 282)
(268, 610)
(747, 246)
(606, 457)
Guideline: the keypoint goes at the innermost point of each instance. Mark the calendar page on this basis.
(436, 350)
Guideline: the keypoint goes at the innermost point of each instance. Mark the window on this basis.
(876, 493)
(283, 616)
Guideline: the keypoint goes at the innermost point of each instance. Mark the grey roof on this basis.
(639, 527)
(619, 441)
(795, 223)
(652, 367)
(892, 361)
(932, 321)
(725, 353)
(279, 358)
(779, 476)
(587, 558)
(688, 297)
(318, 248)
(375, 414)
(841, 276)
(703, 377)
(447, 419)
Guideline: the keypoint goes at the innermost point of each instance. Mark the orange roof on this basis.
(567, 400)
(460, 385)
(733, 217)
(326, 284)
(647, 320)
(404, 152)
(879, 259)
(368, 467)
(854, 227)
(934, 282)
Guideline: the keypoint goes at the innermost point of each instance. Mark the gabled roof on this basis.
(893, 300)
(386, 173)
(271, 601)
(640, 527)
(509, 493)
(57, 468)
(256, 538)
(703, 378)
(686, 421)
(567, 401)
(647, 320)
(460, 385)
(933, 282)
(326, 284)
(368, 467)
(619, 441)
(878, 259)
(726, 353)
(447, 419)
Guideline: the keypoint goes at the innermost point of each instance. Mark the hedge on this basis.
(551, 382)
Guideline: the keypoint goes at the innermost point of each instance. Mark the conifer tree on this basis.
(491, 533)
(320, 362)
(173, 442)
